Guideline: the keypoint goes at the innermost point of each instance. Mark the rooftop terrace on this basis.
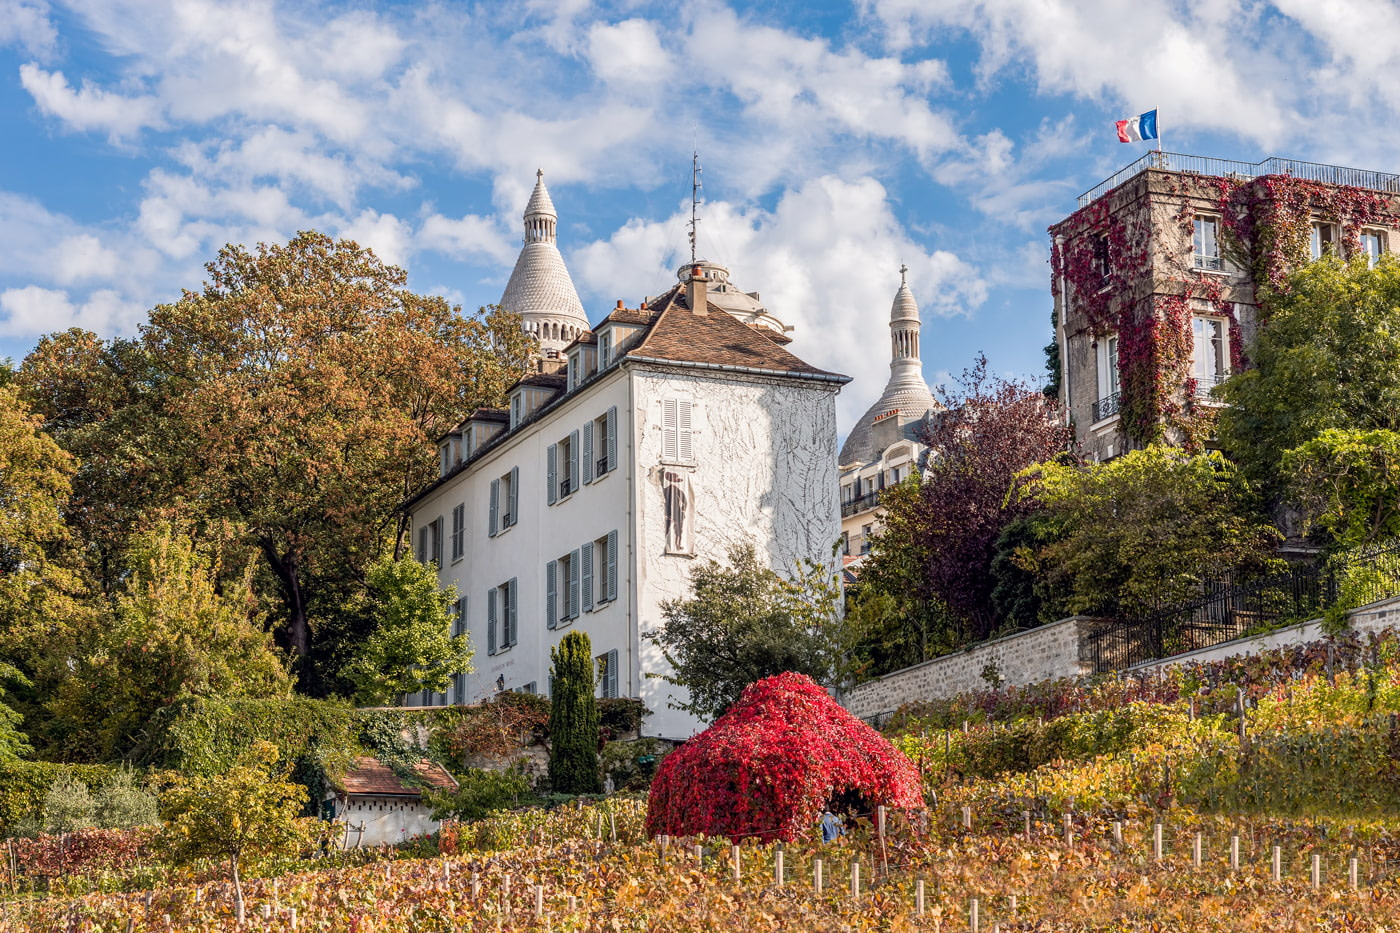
(1203, 165)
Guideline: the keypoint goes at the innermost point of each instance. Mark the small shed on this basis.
(379, 807)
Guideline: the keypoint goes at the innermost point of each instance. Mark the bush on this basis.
(24, 786)
(573, 717)
(123, 803)
(480, 792)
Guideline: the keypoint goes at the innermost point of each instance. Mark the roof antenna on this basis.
(694, 200)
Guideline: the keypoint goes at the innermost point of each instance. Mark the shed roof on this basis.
(372, 777)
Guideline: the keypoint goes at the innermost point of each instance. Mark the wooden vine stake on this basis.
(476, 886)
(738, 863)
(1316, 870)
(855, 879)
(973, 920)
(1069, 830)
(1196, 851)
(817, 876)
(1352, 873)
(1277, 863)
(1118, 833)
(967, 818)
(919, 898)
(1235, 853)
(539, 900)
(1157, 841)
(884, 853)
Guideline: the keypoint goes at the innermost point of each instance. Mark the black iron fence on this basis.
(1228, 608)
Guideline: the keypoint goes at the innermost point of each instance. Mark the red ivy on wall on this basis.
(1107, 263)
(768, 766)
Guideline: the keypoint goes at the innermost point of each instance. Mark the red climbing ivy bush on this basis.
(768, 766)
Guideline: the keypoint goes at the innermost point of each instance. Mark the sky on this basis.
(838, 141)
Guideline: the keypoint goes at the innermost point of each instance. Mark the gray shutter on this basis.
(551, 593)
(437, 541)
(513, 501)
(551, 476)
(511, 602)
(683, 431)
(575, 563)
(587, 452)
(612, 565)
(573, 461)
(587, 577)
(610, 689)
(423, 545)
(491, 621)
(494, 524)
(669, 444)
(610, 430)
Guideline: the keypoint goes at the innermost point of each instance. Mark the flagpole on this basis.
(1159, 130)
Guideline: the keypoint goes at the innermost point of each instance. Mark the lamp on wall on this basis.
(500, 683)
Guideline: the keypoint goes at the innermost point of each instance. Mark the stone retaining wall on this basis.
(1052, 651)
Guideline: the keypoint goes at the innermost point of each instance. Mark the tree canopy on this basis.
(744, 622)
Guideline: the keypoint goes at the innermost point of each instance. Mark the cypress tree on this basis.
(573, 718)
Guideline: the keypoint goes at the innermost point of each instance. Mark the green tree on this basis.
(250, 810)
(294, 400)
(170, 634)
(410, 646)
(68, 806)
(573, 717)
(13, 743)
(1349, 482)
(123, 803)
(1326, 356)
(1146, 528)
(744, 622)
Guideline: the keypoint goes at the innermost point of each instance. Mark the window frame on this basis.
(1205, 250)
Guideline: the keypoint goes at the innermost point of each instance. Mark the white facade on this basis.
(706, 454)
(384, 820)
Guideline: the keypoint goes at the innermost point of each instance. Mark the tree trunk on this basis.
(237, 889)
(295, 634)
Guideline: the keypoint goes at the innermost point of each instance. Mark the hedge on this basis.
(25, 784)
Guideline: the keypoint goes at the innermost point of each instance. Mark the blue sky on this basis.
(837, 140)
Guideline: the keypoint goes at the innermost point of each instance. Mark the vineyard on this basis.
(1259, 794)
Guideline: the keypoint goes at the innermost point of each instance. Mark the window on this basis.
(445, 459)
(1101, 262)
(505, 502)
(599, 453)
(501, 629)
(677, 503)
(430, 542)
(1323, 241)
(607, 674)
(1107, 404)
(459, 522)
(604, 348)
(517, 408)
(562, 468)
(1372, 245)
(1206, 243)
(562, 589)
(1210, 356)
(675, 431)
(598, 572)
(845, 544)
(865, 532)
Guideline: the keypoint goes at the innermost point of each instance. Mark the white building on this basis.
(674, 431)
(885, 445)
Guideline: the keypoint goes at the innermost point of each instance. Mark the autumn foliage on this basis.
(768, 766)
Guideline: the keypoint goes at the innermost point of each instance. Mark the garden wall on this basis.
(1043, 653)
(1052, 651)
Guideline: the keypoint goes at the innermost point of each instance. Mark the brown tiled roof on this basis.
(716, 339)
(488, 414)
(372, 776)
(545, 380)
(586, 337)
(773, 335)
(632, 316)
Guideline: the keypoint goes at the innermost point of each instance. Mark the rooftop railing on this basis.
(1204, 165)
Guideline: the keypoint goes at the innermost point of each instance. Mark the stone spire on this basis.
(906, 393)
(540, 289)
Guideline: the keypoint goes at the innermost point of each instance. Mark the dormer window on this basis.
(517, 408)
(604, 348)
(572, 373)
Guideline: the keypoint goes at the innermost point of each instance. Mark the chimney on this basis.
(697, 291)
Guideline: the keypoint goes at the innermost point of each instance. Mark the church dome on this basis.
(746, 306)
(906, 392)
(540, 289)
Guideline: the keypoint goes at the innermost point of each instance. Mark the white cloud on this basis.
(27, 25)
(82, 257)
(90, 108)
(628, 52)
(389, 237)
(468, 236)
(31, 311)
(826, 260)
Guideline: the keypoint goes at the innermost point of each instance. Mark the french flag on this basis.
(1135, 129)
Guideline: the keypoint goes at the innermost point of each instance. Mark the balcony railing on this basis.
(859, 504)
(1206, 382)
(1106, 407)
(1204, 165)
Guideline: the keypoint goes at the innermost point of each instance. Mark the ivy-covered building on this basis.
(1158, 276)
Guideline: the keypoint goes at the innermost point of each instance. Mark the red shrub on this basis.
(768, 766)
(82, 852)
